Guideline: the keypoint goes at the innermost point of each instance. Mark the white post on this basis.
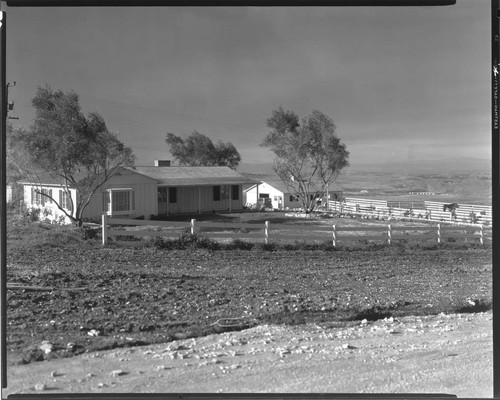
(439, 233)
(334, 236)
(193, 222)
(104, 229)
(266, 233)
(389, 234)
(481, 237)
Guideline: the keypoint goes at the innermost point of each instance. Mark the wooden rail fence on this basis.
(389, 234)
(429, 210)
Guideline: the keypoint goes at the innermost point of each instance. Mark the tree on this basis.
(74, 150)
(199, 150)
(309, 155)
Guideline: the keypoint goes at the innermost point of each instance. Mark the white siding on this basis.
(279, 200)
(145, 192)
(200, 199)
(49, 210)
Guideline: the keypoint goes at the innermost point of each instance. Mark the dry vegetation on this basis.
(64, 287)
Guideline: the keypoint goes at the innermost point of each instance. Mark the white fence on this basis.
(286, 233)
(429, 210)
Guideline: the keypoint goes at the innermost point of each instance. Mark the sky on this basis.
(400, 83)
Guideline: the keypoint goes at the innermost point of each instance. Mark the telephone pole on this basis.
(3, 202)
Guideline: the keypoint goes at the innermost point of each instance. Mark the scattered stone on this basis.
(118, 372)
(40, 387)
(46, 347)
(101, 385)
(161, 367)
(93, 332)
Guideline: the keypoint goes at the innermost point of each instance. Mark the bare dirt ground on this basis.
(426, 354)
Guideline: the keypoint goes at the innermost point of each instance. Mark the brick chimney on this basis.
(162, 163)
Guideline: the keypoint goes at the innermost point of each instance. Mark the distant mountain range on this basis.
(463, 165)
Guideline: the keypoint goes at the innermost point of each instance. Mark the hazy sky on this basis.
(401, 82)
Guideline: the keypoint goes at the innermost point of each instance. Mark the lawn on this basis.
(82, 296)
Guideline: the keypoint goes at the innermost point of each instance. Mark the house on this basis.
(274, 194)
(148, 191)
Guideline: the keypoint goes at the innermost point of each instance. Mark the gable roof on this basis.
(43, 178)
(194, 176)
(279, 185)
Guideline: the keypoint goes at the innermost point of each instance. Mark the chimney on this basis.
(162, 163)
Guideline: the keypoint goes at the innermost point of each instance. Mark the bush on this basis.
(184, 242)
(238, 244)
(265, 247)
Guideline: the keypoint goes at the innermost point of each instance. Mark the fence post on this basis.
(193, 222)
(439, 233)
(266, 232)
(481, 237)
(334, 236)
(104, 229)
(389, 234)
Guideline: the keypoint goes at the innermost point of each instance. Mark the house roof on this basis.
(45, 179)
(279, 185)
(170, 176)
(194, 176)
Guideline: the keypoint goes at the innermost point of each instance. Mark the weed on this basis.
(238, 244)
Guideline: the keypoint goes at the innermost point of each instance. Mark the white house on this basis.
(274, 194)
(147, 191)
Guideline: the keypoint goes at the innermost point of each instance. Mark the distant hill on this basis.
(463, 165)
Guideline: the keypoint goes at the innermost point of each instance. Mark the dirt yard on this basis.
(449, 354)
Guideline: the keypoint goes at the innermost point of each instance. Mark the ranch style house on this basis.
(274, 194)
(144, 192)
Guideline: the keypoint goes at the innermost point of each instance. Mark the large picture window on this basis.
(118, 201)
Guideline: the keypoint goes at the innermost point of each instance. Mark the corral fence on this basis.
(310, 232)
(429, 210)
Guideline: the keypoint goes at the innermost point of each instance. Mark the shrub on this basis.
(238, 244)
(265, 247)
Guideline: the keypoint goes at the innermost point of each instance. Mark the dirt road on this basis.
(436, 354)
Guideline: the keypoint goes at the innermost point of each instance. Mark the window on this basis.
(64, 200)
(38, 198)
(216, 192)
(118, 201)
(263, 195)
(235, 192)
(293, 198)
(172, 195)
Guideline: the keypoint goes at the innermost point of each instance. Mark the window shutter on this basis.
(61, 198)
(105, 201)
(216, 192)
(132, 193)
(32, 196)
(50, 194)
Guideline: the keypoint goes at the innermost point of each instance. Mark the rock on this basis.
(40, 387)
(93, 332)
(118, 372)
(46, 347)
